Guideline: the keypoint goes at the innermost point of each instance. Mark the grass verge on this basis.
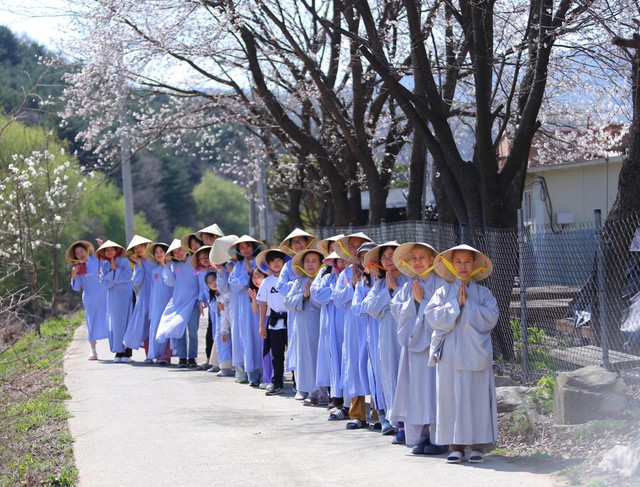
(36, 447)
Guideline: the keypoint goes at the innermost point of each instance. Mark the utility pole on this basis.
(125, 163)
(263, 203)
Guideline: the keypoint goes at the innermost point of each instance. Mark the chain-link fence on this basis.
(569, 295)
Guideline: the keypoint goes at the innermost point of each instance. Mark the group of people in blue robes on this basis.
(401, 324)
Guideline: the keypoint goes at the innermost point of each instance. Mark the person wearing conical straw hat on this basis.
(368, 330)
(180, 318)
(414, 404)
(245, 321)
(377, 304)
(295, 242)
(329, 367)
(321, 289)
(209, 234)
(463, 314)
(326, 246)
(190, 242)
(160, 296)
(201, 263)
(306, 265)
(355, 381)
(273, 318)
(138, 327)
(226, 348)
(84, 277)
(115, 275)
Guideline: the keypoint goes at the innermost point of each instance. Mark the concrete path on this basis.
(144, 425)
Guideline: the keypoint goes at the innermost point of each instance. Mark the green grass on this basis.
(36, 447)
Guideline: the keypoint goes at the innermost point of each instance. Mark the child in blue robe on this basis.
(115, 275)
(139, 324)
(180, 319)
(85, 278)
(246, 321)
(158, 299)
(306, 265)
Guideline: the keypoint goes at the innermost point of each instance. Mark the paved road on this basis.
(151, 426)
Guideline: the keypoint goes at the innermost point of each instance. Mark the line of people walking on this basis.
(400, 323)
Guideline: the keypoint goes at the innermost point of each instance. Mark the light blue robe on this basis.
(321, 293)
(283, 286)
(119, 300)
(372, 336)
(223, 349)
(466, 393)
(94, 300)
(237, 350)
(378, 305)
(334, 317)
(246, 321)
(183, 303)
(158, 299)
(355, 378)
(139, 323)
(307, 324)
(415, 400)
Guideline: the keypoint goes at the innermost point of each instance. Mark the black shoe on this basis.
(191, 363)
(274, 391)
(182, 363)
(254, 383)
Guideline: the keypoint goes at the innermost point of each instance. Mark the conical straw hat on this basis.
(69, 255)
(342, 245)
(323, 245)
(298, 260)
(194, 257)
(401, 258)
(373, 256)
(248, 239)
(137, 240)
(220, 250)
(444, 268)
(285, 245)
(151, 248)
(185, 242)
(100, 252)
(211, 229)
(176, 244)
(261, 260)
(331, 259)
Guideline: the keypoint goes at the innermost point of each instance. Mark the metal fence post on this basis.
(602, 293)
(523, 293)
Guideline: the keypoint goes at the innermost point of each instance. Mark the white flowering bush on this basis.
(40, 187)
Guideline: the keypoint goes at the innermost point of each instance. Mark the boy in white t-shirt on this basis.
(273, 316)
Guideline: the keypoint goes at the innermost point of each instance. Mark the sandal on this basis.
(311, 401)
(476, 456)
(455, 457)
(356, 424)
(338, 414)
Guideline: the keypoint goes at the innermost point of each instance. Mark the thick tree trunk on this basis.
(417, 170)
(293, 212)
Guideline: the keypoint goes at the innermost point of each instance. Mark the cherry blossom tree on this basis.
(269, 67)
